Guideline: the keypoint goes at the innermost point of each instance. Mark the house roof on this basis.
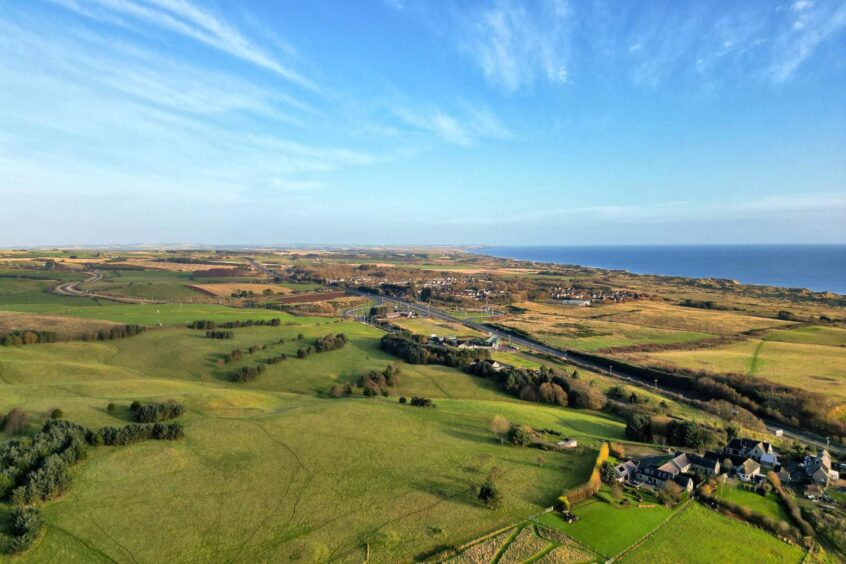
(704, 461)
(750, 467)
(745, 444)
(653, 471)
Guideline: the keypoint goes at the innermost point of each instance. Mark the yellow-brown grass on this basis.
(227, 288)
(63, 325)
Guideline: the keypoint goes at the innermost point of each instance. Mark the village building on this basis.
(652, 475)
(749, 471)
(626, 471)
(759, 451)
(818, 468)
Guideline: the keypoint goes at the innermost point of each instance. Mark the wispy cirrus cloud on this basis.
(186, 19)
(808, 26)
(516, 43)
(460, 129)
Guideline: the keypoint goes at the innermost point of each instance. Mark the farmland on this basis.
(247, 482)
(281, 467)
(681, 538)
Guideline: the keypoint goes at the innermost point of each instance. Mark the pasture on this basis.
(274, 469)
(430, 326)
(696, 534)
(769, 505)
(606, 529)
(818, 368)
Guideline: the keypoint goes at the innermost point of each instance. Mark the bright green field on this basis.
(813, 335)
(274, 470)
(766, 505)
(14, 291)
(148, 284)
(607, 529)
(152, 314)
(698, 535)
(813, 367)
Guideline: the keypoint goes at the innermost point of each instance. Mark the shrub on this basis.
(330, 342)
(15, 421)
(25, 525)
(403, 400)
(56, 413)
(421, 402)
(490, 495)
(520, 435)
(154, 412)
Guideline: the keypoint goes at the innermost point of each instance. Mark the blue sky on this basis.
(411, 122)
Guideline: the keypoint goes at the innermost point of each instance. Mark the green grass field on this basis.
(815, 367)
(606, 529)
(765, 505)
(153, 314)
(810, 335)
(273, 469)
(697, 534)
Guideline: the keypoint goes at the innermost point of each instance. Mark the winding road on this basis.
(72, 289)
(574, 358)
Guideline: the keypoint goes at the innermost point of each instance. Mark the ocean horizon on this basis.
(821, 268)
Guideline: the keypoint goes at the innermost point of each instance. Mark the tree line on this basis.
(416, 350)
(220, 334)
(32, 336)
(154, 412)
(37, 469)
(211, 324)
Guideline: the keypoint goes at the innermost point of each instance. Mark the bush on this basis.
(24, 528)
(421, 402)
(220, 334)
(330, 342)
(56, 413)
(248, 373)
(154, 412)
(519, 435)
(490, 495)
(589, 488)
(15, 421)
(403, 400)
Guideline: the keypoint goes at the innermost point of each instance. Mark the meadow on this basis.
(814, 367)
(606, 529)
(274, 469)
(768, 505)
(697, 534)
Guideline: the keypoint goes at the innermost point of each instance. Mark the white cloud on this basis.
(515, 43)
(186, 19)
(462, 129)
(814, 26)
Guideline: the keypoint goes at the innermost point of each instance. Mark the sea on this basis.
(821, 268)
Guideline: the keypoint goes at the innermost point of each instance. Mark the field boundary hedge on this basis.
(594, 482)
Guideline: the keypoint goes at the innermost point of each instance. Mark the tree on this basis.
(670, 493)
(617, 491)
(16, 421)
(608, 474)
(490, 495)
(639, 428)
(499, 426)
(520, 435)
